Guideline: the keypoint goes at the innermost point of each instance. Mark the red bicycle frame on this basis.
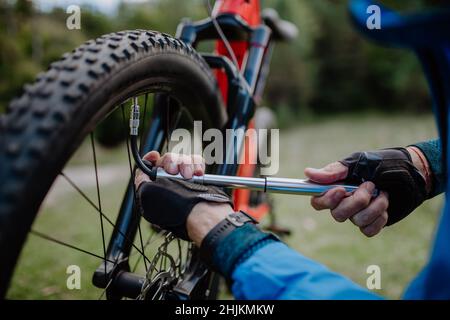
(250, 12)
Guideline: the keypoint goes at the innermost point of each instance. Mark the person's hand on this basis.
(177, 207)
(187, 165)
(369, 215)
(396, 172)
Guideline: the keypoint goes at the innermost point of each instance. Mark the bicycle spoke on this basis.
(144, 122)
(111, 279)
(78, 189)
(167, 123)
(106, 288)
(147, 243)
(132, 182)
(98, 196)
(46, 237)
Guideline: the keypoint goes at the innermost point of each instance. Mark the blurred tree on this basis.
(24, 8)
(328, 69)
(353, 74)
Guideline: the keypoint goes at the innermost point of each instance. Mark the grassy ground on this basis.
(400, 250)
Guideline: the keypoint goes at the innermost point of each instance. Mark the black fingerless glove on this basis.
(391, 170)
(168, 202)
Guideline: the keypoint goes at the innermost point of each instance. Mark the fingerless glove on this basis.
(168, 202)
(391, 170)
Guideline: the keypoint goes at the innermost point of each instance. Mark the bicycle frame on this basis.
(241, 90)
(250, 12)
(252, 47)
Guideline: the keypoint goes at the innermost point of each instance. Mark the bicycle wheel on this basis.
(48, 123)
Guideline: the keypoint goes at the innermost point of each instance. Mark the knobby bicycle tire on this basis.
(44, 126)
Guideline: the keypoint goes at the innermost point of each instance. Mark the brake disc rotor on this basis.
(160, 281)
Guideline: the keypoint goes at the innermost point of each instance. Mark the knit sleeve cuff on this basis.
(433, 152)
(238, 246)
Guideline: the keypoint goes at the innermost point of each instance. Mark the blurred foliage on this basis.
(330, 68)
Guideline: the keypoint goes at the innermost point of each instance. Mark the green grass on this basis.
(400, 250)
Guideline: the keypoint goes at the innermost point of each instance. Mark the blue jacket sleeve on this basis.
(433, 152)
(275, 271)
(259, 266)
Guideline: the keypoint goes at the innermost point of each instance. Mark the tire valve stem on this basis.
(134, 118)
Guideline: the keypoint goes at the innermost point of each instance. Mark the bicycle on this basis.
(49, 122)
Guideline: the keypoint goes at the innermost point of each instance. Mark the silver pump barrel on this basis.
(266, 184)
